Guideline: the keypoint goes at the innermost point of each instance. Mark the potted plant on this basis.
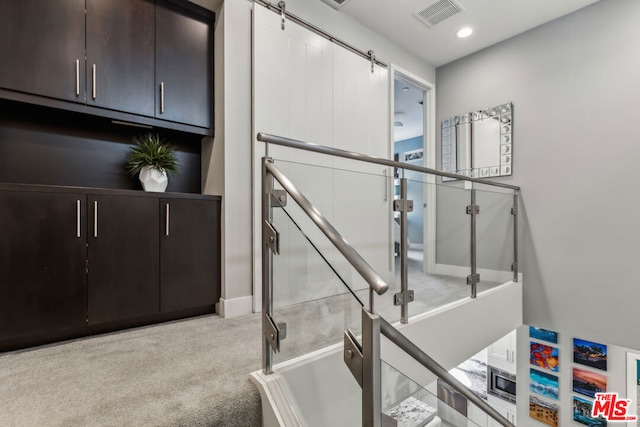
(153, 160)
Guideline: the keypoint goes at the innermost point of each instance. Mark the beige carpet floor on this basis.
(185, 373)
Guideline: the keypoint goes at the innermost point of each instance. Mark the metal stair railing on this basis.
(363, 359)
(403, 205)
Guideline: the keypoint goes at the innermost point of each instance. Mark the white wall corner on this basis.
(276, 409)
(235, 307)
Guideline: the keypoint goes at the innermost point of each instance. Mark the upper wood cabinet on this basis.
(42, 46)
(120, 55)
(184, 66)
(131, 60)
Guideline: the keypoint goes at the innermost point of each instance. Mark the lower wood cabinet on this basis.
(186, 270)
(123, 260)
(43, 283)
(76, 263)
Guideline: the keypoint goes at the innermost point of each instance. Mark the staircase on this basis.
(317, 389)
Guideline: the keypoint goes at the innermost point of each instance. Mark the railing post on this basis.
(371, 375)
(473, 209)
(514, 212)
(404, 206)
(267, 288)
(404, 254)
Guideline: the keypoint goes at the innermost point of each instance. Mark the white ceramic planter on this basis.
(153, 180)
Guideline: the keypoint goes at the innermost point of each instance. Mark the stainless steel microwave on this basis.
(501, 384)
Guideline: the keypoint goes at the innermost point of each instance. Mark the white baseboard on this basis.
(235, 307)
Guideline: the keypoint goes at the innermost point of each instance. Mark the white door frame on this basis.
(429, 149)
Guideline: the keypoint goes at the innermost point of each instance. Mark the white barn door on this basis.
(307, 88)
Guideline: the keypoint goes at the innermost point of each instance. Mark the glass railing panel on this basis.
(405, 402)
(494, 234)
(309, 296)
(453, 230)
(438, 259)
(359, 204)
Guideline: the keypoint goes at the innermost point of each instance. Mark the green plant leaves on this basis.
(150, 150)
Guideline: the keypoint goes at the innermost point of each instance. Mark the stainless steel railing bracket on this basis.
(353, 356)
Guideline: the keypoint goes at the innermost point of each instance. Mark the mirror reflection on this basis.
(478, 144)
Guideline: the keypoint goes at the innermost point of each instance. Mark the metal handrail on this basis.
(355, 259)
(396, 337)
(308, 146)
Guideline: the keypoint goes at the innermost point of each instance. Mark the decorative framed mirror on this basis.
(478, 144)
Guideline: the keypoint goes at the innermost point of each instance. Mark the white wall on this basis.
(574, 87)
(234, 139)
(227, 164)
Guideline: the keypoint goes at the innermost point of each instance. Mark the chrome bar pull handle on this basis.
(95, 218)
(161, 97)
(167, 221)
(78, 218)
(77, 77)
(508, 360)
(93, 81)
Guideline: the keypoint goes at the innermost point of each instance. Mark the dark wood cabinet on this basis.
(127, 60)
(42, 46)
(189, 250)
(123, 258)
(79, 261)
(184, 66)
(42, 262)
(120, 55)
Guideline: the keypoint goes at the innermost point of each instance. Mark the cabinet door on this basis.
(476, 416)
(40, 42)
(189, 254)
(123, 258)
(42, 262)
(120, 55)
(184, 66)
(501, 354)
(508, 412)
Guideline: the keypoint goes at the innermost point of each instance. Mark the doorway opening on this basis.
(413, 143)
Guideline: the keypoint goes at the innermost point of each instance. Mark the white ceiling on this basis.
(491, 20)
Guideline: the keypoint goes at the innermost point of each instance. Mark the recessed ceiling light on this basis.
(405, 89)
(464, 32)
(398, 124)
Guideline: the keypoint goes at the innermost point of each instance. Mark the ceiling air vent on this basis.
(336, 4)
(438, 12)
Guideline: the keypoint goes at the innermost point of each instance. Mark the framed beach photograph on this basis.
(582, 413)
(543, 411)
(590, 354)
(543, 356)
(543, 334)
(588, 383)
(546, 385)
